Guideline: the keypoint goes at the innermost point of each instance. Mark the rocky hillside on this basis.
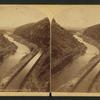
(6, 47)
(64, 47)
(93, 32)
(37, 33)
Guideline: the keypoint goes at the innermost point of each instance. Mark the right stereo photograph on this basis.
(75, 50)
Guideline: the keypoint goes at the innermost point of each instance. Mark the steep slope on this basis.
(38, 34)
(93, 32)
(6, 47)
(64, 47)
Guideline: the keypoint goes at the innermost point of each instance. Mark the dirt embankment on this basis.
(39, 77)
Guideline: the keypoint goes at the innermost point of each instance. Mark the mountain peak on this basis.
(46, 19)
(38, 33)
(53, 20)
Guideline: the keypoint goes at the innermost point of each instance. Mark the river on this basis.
(70, 71)
(16, 82)
(12, 60)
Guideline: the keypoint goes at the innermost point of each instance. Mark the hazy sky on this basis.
(16, 15)
(79, 16)
(66, 15)
(12, 16)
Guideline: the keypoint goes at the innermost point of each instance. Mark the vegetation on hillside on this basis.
(93, 32)
(37, 33)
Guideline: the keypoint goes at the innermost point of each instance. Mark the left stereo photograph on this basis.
(24, 49)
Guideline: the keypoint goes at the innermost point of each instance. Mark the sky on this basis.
(66, 15)
(79, 16)
(16, 15)
(13, 16)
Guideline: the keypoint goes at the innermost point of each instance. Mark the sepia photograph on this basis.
(76, 50)
(49, 49)
(24, 49)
